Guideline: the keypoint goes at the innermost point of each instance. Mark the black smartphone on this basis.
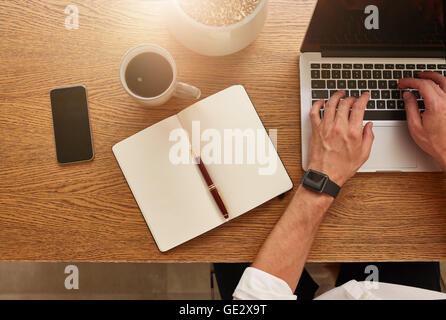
(71, 124)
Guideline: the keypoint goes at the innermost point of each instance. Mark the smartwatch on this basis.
(320, 183)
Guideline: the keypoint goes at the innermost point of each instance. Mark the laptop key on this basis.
(421, 104)
(367, 74)
(441, 66)
(417, 94)
(356, 74)
(315, 66)
(421, 66)
(336, 74)
(319, 94)
(372, 84)
(371, 104)
(326, 74)
(359, 66)
(326, 66)
(354, 93)
(410, 66)
(380, 104)
(372, 115)
(431, 66)
(400, 104)
(396, 94)
(347, 66)
(318, 84)
(351, 84)
(387, 74)
(331, 84)
(336, 66)
(391, 104)
(385, 115)
(397, 74)
(315, 74)
(346, 74)
(416, 74)
(377, 74)
(362, 84)
(399, 66)
(382, 84)
(385, 94)
(342, 84)
(374, 94)
(390, 66)
(368, 66)
(332, 92)
(393, 84)
(407, 74)
(379, 66)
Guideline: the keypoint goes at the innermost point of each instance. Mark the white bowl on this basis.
(212, 40)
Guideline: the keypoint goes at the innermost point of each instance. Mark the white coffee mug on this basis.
(176, 88)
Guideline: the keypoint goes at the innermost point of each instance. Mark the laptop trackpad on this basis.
(393, 148)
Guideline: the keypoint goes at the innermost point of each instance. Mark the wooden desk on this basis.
(85, 212)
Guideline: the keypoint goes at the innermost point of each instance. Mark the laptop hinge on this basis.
(383, 52)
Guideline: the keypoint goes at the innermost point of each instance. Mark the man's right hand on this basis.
(429, 128)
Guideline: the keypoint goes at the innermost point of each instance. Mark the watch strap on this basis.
(331, 188)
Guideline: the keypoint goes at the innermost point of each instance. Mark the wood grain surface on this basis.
(86, 212)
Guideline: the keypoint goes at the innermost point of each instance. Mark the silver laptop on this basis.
(368, 45)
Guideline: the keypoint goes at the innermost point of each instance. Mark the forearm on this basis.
(286, 249)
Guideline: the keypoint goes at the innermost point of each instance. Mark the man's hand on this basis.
(339, 144)
(428, 129)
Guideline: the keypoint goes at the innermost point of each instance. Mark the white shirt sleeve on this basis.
(366, 290)
(256, 284)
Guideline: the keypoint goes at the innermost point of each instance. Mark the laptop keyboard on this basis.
(381, 80)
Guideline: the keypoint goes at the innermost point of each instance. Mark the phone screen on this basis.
(71, 124)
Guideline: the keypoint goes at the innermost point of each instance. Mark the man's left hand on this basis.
(339, 144)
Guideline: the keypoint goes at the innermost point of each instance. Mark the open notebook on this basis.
(174, 198)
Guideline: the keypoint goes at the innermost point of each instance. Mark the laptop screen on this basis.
(377, 25)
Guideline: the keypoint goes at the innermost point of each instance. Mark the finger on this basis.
(330, 106)
(357, 115)
(413, 115)
(435, 77)
(425, 87)
(344, 109)
(367, 140)
(315, 113)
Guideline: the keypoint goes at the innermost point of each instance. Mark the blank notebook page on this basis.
(174, 201)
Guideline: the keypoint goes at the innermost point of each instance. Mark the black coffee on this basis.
(148, 75)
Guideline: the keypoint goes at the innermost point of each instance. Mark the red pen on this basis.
(212, 188)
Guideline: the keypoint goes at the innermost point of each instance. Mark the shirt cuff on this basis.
(256, 284)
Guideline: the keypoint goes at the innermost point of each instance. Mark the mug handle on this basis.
(186, 91)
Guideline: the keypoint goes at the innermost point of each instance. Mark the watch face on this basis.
(315, 180)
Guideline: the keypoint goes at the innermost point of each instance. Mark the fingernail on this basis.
(406, 95)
